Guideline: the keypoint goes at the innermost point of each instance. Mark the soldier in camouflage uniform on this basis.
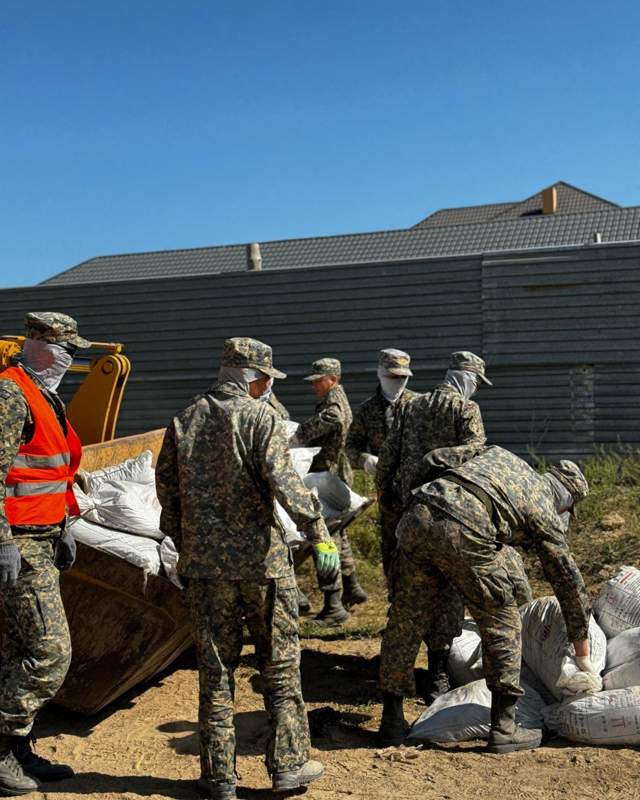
(372, 423)
(223, 462)
(452, 534)
(34, 452)
(328, 429)
(435, 430)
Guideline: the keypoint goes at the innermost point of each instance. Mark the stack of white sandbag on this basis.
(611, 716)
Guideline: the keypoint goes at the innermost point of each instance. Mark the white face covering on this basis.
(48, 361)
(464, 381)
(562, 497)
(242, 377)
(267, 392)
(392, 386)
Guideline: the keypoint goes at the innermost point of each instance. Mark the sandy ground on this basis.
(147, 745)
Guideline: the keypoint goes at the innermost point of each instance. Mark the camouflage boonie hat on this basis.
(395, 362)
(465, 360)
(571, 477)
(249, 354)
(53, 327)
(324, 366)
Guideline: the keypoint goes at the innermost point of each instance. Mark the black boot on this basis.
(393, 728)
(36, 766)
(333, 612)
(505, 735)
(13, 780)
(437, 682)
(304, 604)
(352, 593)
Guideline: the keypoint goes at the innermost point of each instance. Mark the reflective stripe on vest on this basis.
(40, 487)
(30, 461)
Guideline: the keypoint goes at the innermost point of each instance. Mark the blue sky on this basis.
(157, 125)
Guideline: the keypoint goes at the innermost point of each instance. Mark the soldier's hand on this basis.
(327, 559)
(65, 552)
(10, 564)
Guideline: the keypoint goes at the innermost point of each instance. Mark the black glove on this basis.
(10, 564)
(65, 552)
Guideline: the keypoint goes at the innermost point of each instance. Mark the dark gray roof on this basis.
(509, 231)
(571, 200)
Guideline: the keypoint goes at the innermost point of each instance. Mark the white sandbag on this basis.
(617, 607)
(292, 534)
(465, 713)
(336, 497)
(137, 550)
(136, 470)
(126, 506)
(546, 648)
(623, 660)
(464, 664)
(169, 558)
(291, 427)
(302, 458)
(610, 717)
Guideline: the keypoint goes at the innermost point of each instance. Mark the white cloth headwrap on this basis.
(48, 361)
(464, 381)
(238, 376)
(562, 497)
(267, 392)
(392, 387)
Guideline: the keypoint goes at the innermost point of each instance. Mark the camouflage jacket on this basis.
(521, 500)
(328, 429)
(371, 425)
(277, 406)
(223, 462)
(432, 432)
(16, 428)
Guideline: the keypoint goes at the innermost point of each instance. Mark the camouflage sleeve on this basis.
(357, 440)
(389, 458)
(276, 468)
(471, 426)
(13, 414)
(562, 572)
(325, 421)
(167, 488)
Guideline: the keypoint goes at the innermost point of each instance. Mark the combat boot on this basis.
(296, 778)
(13, 780)
(333, 612)
(304, 604)
(437, 682)
(36, 766)
(352, 594)
(505, 735)
(393, 728)
(218, 791)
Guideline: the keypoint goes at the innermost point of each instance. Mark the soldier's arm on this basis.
(389, 458)
(167, 487)
(357, 440)
(13, 415)
(560, 569)
(275, 466)
(328, 420)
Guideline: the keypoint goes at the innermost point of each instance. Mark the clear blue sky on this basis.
(152, 125)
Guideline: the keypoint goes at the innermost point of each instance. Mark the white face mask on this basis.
(48, 361)
(464, 381)
(267, 392)
(392, 386)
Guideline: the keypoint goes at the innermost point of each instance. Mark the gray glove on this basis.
(10, 564)
(65, 552)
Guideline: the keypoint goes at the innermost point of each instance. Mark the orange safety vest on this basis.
(39, 484)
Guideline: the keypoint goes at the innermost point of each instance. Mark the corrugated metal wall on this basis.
(556, 329)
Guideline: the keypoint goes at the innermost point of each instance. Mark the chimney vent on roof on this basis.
(550, 200)
(597, 237)
(254, 257)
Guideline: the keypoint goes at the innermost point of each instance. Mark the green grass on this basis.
(605, 536)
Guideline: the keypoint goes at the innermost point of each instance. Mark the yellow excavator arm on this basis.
(94, 408)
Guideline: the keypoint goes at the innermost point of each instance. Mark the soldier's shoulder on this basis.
(10, 391)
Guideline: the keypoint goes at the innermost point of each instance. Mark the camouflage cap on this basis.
(470, 362)
(395, 362)
(241, 351)
(324, 366)
(53, 327)
(571, 477)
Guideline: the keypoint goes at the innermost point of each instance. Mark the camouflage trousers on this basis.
(36, 647)
(389, 520)
(347, 561)
(218, 611)
(436, 554)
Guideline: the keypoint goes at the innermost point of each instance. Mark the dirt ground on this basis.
(147, 745)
